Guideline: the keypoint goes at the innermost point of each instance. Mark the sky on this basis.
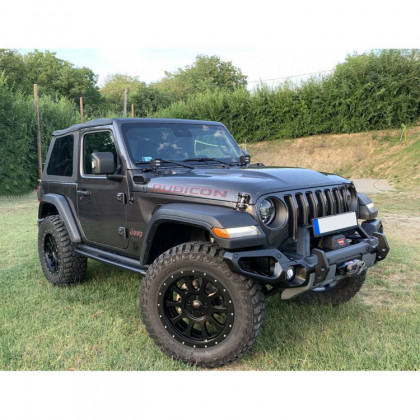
(265, 39)
(150, 65)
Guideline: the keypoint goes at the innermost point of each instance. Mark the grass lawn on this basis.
(97, 326)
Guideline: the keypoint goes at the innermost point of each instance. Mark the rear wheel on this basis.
(334, 293)
(60, 264)
(197, 310)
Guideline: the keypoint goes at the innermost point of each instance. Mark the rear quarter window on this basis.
(61, 159)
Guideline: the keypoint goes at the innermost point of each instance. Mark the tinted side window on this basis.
(61, 159)
(97, 142)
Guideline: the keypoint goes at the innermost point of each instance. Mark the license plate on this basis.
(331, 224)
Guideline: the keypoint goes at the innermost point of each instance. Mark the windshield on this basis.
(179, 141)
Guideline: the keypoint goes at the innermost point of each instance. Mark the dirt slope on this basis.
(375, 154)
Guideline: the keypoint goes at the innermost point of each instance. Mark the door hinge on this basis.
(122, 231)
(122, 197)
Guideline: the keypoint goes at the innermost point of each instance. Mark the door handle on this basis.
(83, 193)
(122, 197)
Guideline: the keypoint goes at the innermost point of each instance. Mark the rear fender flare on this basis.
(65, 213)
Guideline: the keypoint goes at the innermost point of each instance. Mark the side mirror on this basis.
(103, 163)
(245, 158)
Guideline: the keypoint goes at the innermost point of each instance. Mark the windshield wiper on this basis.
(170, 161)
(205, 159)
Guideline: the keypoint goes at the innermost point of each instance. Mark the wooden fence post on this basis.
(38, 132)
(81, 110)
(125, 102)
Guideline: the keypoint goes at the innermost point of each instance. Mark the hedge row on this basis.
(18, 152)
(367, 92)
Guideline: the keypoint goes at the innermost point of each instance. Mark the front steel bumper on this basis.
(312, 268)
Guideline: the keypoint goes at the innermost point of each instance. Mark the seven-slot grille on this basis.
(307, 205)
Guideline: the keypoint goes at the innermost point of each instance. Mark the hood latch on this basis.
(243, 201)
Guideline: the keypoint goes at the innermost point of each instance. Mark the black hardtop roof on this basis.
(108, 121)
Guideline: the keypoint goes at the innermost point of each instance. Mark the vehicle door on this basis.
(102, 203)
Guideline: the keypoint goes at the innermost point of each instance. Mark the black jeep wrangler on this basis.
(180, 203)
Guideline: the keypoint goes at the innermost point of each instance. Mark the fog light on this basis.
(290, 273)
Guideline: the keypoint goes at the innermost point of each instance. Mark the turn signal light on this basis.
(238, 232)
(221, 233)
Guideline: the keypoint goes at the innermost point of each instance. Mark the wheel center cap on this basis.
(196, 304)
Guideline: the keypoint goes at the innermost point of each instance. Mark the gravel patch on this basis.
(371, 185)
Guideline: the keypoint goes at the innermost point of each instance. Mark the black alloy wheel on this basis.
(59, 261)
(51, 254)
(196, 308)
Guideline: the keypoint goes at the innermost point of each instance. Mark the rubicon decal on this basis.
(180, 189)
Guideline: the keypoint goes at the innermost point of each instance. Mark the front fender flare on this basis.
(205, 217)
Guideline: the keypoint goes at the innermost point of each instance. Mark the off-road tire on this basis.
(247, 297)
(342, 292)
(72, 267)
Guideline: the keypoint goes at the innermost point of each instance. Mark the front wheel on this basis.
(197, 310)
(334, 293)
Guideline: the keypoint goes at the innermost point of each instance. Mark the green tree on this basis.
(206, 74)
(113, 90)
(146, 99)
(56, 77)
(149, 99)
(13, 66)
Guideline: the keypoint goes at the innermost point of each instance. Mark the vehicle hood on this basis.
(225, 184)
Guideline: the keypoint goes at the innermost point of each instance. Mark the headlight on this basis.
(267, 211)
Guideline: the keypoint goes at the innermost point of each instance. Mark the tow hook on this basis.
(354, 268)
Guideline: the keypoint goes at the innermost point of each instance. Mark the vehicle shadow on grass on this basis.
(114, 289)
